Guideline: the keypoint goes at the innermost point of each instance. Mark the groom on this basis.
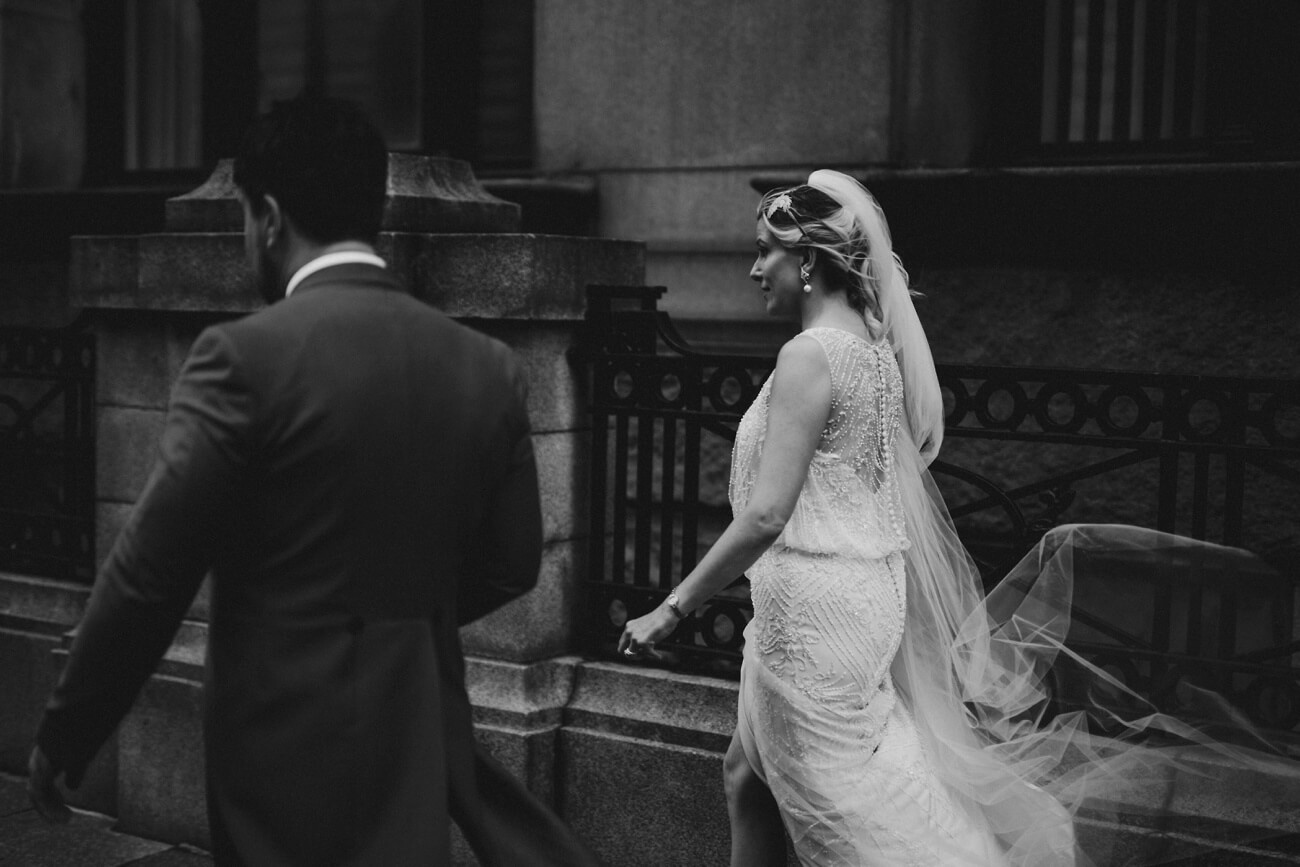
(356, 471)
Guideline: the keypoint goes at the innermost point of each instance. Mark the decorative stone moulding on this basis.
(455, 246)
(435, 194)
(425, 194)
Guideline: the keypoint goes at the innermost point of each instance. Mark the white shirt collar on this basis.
(329, 260)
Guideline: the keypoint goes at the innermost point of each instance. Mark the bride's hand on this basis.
(639, 635)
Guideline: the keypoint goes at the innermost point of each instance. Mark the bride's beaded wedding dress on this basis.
(900, 717)
(820, 718)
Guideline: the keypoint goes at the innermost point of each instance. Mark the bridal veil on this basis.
(978, 672)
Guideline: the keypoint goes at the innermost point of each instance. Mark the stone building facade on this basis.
(1055, 205)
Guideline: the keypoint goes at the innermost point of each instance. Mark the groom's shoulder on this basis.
(284, 328)
(279, 329)
(461, 339)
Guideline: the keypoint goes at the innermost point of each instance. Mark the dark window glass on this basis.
(1147, 79)
(170, 86)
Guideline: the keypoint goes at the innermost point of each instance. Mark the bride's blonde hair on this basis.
(804, 216)
(835, 215)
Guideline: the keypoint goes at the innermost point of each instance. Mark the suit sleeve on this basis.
(507, 550)
(151, 575)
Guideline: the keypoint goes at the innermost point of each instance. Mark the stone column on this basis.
(455, 247)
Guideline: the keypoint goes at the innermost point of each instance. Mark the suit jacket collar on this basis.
(352, 275)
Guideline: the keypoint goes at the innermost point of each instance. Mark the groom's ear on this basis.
(272, 219)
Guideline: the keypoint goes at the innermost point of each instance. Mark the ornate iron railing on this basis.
(47, 451)
(1182, 454)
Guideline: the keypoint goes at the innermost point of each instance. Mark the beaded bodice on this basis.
(849, 503)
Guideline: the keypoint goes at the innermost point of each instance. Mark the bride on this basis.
(888, 713)
(827, 463)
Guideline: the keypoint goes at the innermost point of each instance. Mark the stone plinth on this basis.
(473, 276)
(35, 616)
(425, 194)
(642, 748)
(615, 749)
(160, 785)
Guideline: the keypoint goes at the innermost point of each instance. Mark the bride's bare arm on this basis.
(798, 408)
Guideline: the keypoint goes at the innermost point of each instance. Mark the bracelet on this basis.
(673, 601)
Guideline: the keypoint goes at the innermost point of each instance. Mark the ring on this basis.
(629, 652)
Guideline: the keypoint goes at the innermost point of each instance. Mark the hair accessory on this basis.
(783, 202)
(780, 203)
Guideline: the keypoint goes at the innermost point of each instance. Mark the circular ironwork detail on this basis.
(960, 401)
(1043, 405)
(15, 412)
(718, 389)
(1270, 421)
(1274, 702)
(722, 625)
(622, 386)
(1121, 667)
(1067, 683)
(617, 613)
(1167, 694)
(1143, 416)
(1019, 404)
(1219, 401)
(669, 390)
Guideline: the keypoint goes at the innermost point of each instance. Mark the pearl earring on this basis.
(806, 278)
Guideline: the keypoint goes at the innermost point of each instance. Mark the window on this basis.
(163, 56)
(172, 84)
(479, 94)
(1147, 79)
(170, 87)
(366, 51)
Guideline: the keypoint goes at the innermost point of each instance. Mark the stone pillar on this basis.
(455, 247)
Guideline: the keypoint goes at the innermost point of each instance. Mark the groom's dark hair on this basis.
(324, 163)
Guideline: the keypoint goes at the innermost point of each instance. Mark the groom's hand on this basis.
(41, 789)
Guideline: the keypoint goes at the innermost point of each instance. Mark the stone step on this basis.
(88, 840)
(1183, 841)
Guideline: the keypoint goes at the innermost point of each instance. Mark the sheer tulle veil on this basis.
(923, 402)
(975, 671)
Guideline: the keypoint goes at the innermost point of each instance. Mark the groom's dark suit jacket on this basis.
(356, 471)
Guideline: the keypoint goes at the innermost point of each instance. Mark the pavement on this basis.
(27, 840)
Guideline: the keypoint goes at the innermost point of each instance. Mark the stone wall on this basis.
(674, 107)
